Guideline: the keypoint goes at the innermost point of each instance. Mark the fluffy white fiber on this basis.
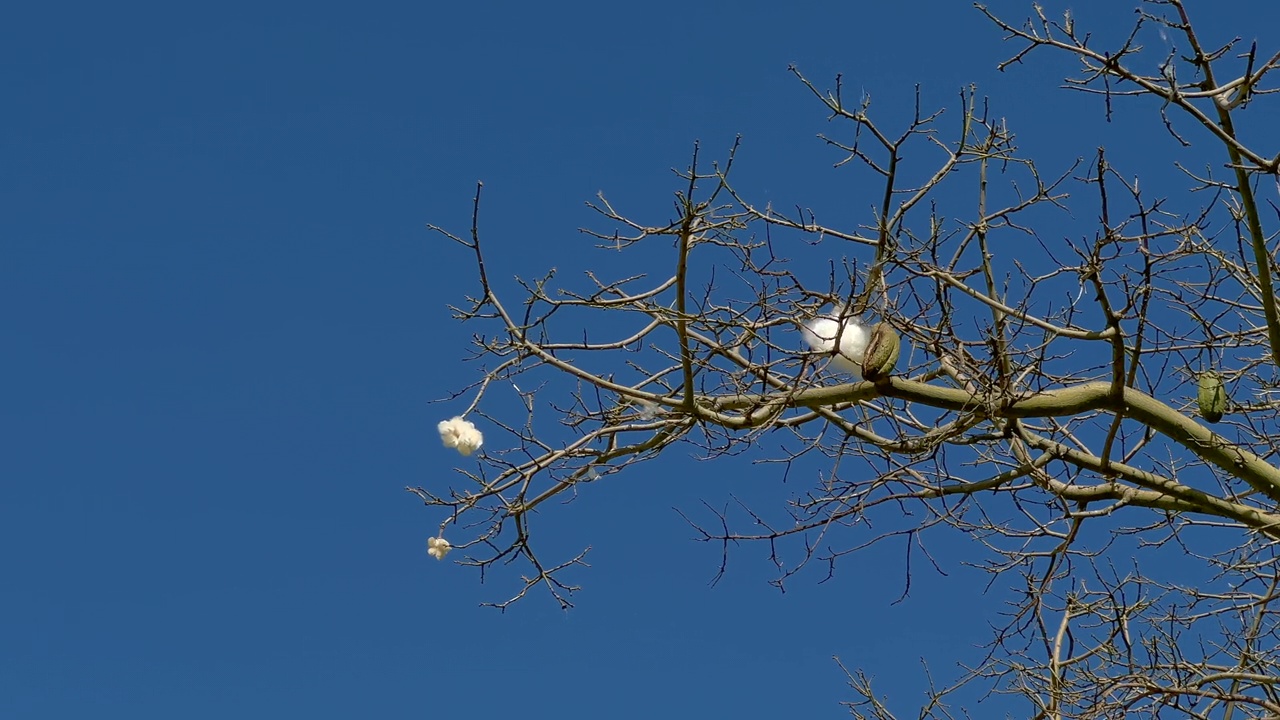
(460, 434)
(822, 333)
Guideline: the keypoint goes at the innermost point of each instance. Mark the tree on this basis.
(1058, 408)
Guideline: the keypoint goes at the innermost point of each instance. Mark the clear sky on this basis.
(223, 324)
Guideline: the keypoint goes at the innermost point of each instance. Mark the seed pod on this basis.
(882, 353)
(1211, 396)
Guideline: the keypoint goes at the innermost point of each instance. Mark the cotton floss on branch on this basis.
(822, 334)
(438, 547)
(460, 434)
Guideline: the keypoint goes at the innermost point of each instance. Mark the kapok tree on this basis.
(1119, 389)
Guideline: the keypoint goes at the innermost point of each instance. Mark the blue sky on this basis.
(224, 322)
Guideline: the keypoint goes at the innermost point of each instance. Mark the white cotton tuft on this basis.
(821, 334)
(438, 547)
(460, 434)
(648, 410)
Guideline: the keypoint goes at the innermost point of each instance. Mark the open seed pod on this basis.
(882, 353)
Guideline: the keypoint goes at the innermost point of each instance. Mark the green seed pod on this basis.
(882, 353)
(1211, 396)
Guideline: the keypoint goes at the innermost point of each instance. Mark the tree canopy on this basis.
(963, 368)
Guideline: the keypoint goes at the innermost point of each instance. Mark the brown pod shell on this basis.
(882, 353)
(1211, 396)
